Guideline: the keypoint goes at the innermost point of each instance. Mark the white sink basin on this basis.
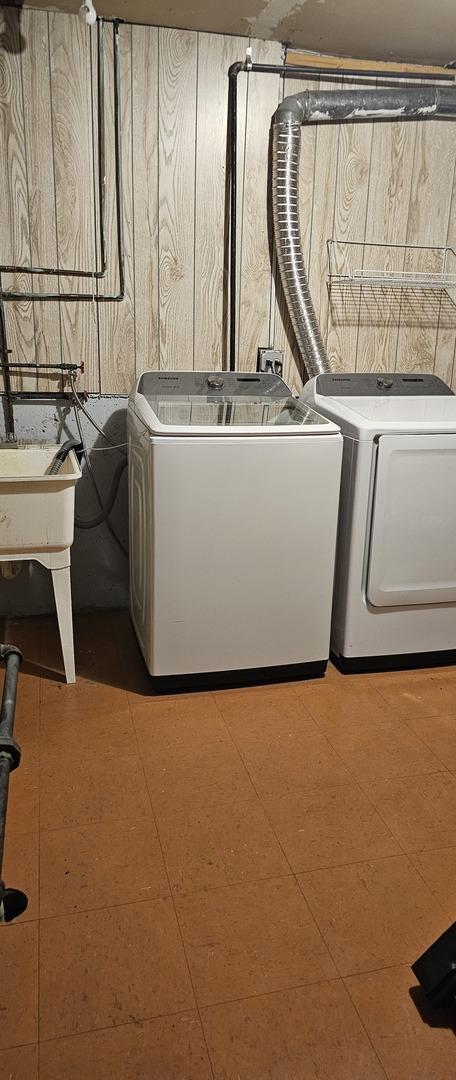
(36, 509)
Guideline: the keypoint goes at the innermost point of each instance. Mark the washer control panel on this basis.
(381, 384)
(212, 384)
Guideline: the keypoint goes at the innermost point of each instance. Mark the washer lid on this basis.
(231, 414)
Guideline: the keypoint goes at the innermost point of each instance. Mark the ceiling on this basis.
(414, 30)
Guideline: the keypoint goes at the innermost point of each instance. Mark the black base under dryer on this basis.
(358, 665)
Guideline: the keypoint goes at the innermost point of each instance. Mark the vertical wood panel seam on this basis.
(309, 255)
(450, 206)
(57, 255)
(158, 200)
(133, 248)
(239, 276)
(272, 286)
(27, 188)
(95, 178)
(274, 270)
(328, 312)
(364, 233)
(195, 166)
(407, 234)
(133, 238)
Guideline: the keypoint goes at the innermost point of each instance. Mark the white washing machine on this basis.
(395, 582)
(234, 490)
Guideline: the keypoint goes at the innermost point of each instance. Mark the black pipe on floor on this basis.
(12, 901)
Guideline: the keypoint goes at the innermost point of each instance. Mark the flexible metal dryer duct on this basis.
(421, 103)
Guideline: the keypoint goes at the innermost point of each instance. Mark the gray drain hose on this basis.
(80, 524)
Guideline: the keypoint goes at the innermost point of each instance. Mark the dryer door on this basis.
(412, 557)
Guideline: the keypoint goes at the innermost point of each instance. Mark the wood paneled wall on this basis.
(379, 182)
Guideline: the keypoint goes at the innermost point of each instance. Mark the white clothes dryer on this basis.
(395, 582)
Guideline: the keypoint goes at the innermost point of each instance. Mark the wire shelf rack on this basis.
(394, 266)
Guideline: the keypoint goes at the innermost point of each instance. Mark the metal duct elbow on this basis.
(420, 102)
(286, 144)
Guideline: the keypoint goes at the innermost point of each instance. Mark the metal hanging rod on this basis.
(13, 365)
(10, 294)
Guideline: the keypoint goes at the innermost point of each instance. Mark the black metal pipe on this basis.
(7, 406)
(52, 270)
(39, 395)
(284, 70)
(12, 658)
(12, 365)
(232, 125)
(56, 272)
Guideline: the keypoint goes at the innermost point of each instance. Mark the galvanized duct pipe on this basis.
(419, 103)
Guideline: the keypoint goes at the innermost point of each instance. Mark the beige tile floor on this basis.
(227, 885)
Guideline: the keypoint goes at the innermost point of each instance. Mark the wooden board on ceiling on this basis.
(344, 64)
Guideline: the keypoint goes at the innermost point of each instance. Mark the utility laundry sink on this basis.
(36, 509)
(37, 522)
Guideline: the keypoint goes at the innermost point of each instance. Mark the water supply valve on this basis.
(270, 360)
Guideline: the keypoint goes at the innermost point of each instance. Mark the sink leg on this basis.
(61, 580)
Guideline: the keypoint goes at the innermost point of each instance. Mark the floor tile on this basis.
(93, 733)
(168, 1048)
(60, 700)
(295, 760)
(250, 939)
(411, 1039)
(19, 1063)
(20, 868)
(126, 963)
(438, 868)
(88, 790)
(252, 728)
(439, 733)
(26, 731)
(383, 750)
(262, 705)
(242, 697)
(219, 845)
(422, 695)
(198, 776)
(373, 914)
(419, 810)
(18, 983)
(310, 1033)
(178, 724)
(100, 866)
(23, 797)
(336, 706)
(329, 827)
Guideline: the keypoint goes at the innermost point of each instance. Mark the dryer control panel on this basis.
(381, 384)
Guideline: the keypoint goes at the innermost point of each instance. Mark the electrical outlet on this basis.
(270, 360)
